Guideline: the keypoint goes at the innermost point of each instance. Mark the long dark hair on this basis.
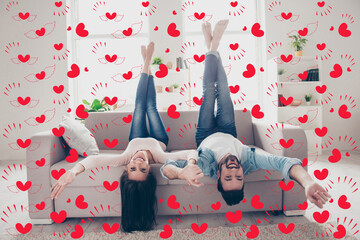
(139, 204)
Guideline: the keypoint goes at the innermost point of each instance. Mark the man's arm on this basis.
(314, 192)
(191, 173)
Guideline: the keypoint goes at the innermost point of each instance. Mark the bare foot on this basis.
(143, 52)
(206, 29)
(149, 51)
(217, 34)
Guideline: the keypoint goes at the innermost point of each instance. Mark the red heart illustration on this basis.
(57, 174)
(255, 202)
(321, 131)
(24, 16)
(340, 233)
(163, 71)
(69, 28)
(343, 31)
(40, 162)
(23, 101)
(250, 71)
(304, 162)
(58, 89)
(111, 59)
(23, 144)
(145, 4)
(40, 75)
(178, 69)
(343, 203)
(112, 229)
(78, 233)
(172, 112)
(69, 200)
(303, 119)
(303, 32)
(286, 59)
(174, 12)
(23, 187)
(254, 232)
(216, 206)
(73, 157)
(168, 129)
(287, 101)
(58, 4)
(111, 187)
(172, 203)
(234, 4)
(286, 16)
(321, 217)
(199, 230)
(332, 28)
(244, 28)
(287, 229)
(335, 157)
(332, 110)
(234, 46)
(337, 71)
(127, 32)
(111, 101)
(40, 119)
(128, 75)
(321, 89)
(321, 175)
(199, 59)
(286, 187)
(348, 69)
(197, 101)
(321, 46)
(303, 75)
(199, 16)
(58, 46)
(111, 144)
(40, 32)
(127, 119)
(256, 113)
(234, 217)
(167, 232)
(234, 89)
(172, 31)
(321, 4)
(80, 111)
(80, 30)
(110, 16)
(261, 69)
(75, 71)
(58, 217)
(23, 230)
(23, 59)
(244, 110)
(286, 144)
(58, 132)
(303, 206)
(167, 89)
(40, 206)
(347, 154)
(256, 31)
(80, 203)
(343, 112)
(86, 69)
(167, 50)
(156, 28)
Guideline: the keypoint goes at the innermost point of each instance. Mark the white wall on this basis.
(42, 48)
(349, 83)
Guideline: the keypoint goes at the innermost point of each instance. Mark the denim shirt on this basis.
(250, 162)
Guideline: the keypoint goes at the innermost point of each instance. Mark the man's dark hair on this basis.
(139, 204)
(231, 197)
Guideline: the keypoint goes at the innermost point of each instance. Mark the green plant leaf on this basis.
(85, 102)
(96, 104)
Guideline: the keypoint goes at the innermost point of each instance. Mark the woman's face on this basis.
(139, 167)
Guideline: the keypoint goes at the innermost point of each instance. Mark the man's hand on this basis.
(191, 173)
(63, 181)
(316, 194)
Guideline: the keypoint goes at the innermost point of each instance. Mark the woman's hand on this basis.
(63, 181)
(192, 173)
(316, 194)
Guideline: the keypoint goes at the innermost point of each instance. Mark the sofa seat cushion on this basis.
(96, 176)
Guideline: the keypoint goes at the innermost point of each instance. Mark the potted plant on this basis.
(96, 106)
(308, 99)
(175, 86)
(298, 43)
(155, 63)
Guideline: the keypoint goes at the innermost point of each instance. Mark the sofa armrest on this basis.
(51, 150)
(268, 138)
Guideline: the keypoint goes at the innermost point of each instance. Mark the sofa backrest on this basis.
(181, 131)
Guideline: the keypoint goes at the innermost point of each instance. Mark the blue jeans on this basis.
(145, 104)
(215, 87)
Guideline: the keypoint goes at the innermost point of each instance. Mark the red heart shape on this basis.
(321, 131)
(250, 71)
(216, 206)
(303, 206)
(234, 217)
(40, 206)
(127, 32)
(58, 46)
(199, 59)
(286, 187)
(127, 75)
(287, 229)
(256, 31)
(347, 154)
(163, 71)
(80, 203)
(111, 101)
(255, 202)
(40, 162)
(321, 89)
(57, 174)
(234, 89)
(286, 16)
(234, 4)
(286, 101)
(303, 75)
(23, 187)
(337, 72)
(286, 144)
(40, 75)
(348, 69)
(167, 50)
(111, 59)
(23, 144)
(332, 28)
(256, 113)
(145, 4)
(199, 16)
(336, 156)
(321, 4)
(75, 71)
(58, 4)
(303, 32)
(23, 59)
(332, 110)
(234, 46)
(340, 233)
(78, 233)
(40, 32)
(174, 12)
(127, 119)
(286, 59)
(172, 31)
(111, 16)
(58, 89)
(24, 16)
(304, 162)
(73, 157)
(321, 46)
(112, 229)
(343, 31)
(343, 203)
(156, 28)
(321, 217)
(172, 112)
(23, 101)
(167, 232)
(111, 144)
(244, 28)
(172, 203)
(23, 230)
(199, 230)
(303, 119)
(197, 101)
(111, 187)
(254, 232)
(80, 111)
(40, 119)
(80, 30)
(343, 112)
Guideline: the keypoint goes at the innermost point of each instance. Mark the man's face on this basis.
(231, 174)
(138, 167)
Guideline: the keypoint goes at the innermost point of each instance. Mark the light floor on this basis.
(341, 181)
